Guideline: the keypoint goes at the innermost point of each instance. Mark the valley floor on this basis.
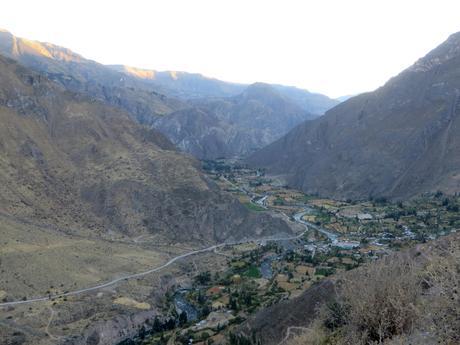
(210, 293)
(341, 236)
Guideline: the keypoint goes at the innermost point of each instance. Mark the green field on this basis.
(253, 207)
(252, 272)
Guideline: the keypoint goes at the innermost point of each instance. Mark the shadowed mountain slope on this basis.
(235, 126)
(400, 140)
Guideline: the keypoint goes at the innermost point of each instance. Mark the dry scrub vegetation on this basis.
(406, 298)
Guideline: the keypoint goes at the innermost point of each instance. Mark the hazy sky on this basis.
(333, 47)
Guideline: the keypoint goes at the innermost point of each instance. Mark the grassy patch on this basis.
(252, 272)
(238, 264)
(303, 198)
(253, 207)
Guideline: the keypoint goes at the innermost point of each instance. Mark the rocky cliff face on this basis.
(74, 162)
(235, 126)
(111, 332)
(400, 140)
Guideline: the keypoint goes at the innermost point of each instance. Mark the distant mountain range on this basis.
(150, 97)
(195, 86)
(233, 126)
(182, 84)
(400, 140)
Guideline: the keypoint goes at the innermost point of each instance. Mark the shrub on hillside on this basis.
(381, 299)
(394, 301)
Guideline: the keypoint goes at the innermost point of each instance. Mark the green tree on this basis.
(182, 318)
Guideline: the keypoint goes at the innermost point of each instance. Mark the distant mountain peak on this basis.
(14, 47)
(260, 84)
(257, 90)
(151, 74)
(136, 72)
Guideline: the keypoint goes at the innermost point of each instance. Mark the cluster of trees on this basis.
(239, 339)
(244, 298)
(155, 327)
(203, 278)
(217, 166)
(450, 205)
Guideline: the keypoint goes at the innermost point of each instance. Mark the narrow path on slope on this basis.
(288, 333)
(47, 329)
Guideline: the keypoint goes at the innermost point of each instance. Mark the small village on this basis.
(341, 235)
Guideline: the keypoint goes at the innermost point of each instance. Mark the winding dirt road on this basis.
(153, 270)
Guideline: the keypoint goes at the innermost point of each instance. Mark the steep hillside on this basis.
(142, 100)
(76, 163)
(398, 141)
(234, 126)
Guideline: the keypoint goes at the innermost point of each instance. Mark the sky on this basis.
(335, 47)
